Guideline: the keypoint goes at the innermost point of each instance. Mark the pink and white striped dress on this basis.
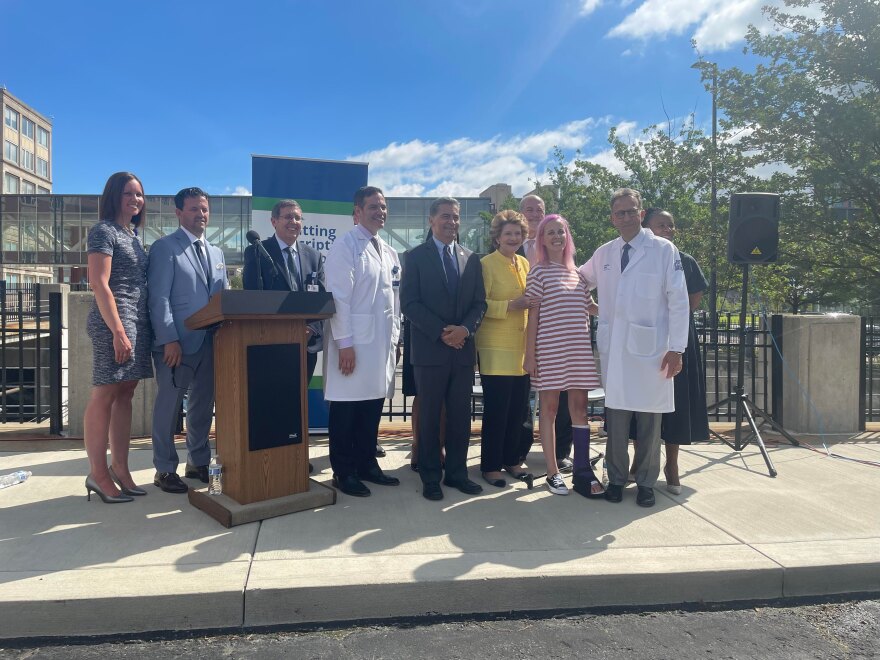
(563, 351)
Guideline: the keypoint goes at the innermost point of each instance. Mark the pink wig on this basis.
(567, 252)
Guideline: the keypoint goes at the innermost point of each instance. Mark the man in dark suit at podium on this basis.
(298, 267)
(443, 296)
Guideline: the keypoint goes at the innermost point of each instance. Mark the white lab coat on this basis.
(643, 313)
(366, 294)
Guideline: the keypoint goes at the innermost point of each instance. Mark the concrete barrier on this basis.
(80, 373)
(821, 375)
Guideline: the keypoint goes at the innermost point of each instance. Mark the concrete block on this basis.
(80, 374)
(822, 355)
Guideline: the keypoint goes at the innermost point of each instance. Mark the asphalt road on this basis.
(847, 630)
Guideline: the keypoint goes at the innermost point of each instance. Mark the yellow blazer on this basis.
(501, 338)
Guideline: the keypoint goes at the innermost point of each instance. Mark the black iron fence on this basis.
(870, 380)
(719, 345)
(30, 355)
(32, 362)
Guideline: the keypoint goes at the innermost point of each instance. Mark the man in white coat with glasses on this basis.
(363, 274)
(642, 332)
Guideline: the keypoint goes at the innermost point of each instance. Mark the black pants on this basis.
(452, 384)
(505, 401)
(311, 361)
(354, 431)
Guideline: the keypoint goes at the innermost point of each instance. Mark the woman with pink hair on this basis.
(559, 355)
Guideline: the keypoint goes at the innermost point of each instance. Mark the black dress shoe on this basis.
(199, 472)
(466, 486)
(376, 476)
(432, 491)
(351, 485)
(614, 493)
(380, 451)
(170, 482)
(645, 496)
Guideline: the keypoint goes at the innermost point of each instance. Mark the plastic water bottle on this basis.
(14, 478)
(215, 476)
(604, 474)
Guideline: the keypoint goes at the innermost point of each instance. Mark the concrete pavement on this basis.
(72, 567)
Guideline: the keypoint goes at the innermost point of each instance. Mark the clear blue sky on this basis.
(439, 97)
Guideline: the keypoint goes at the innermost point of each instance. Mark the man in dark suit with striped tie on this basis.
(298, 267)
(443, 296)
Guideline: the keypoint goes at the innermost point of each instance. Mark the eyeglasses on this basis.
(290, 218)
(632, 213)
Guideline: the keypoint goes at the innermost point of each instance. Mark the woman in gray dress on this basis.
(119, 328)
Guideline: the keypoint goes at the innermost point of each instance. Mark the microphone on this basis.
(254, 239)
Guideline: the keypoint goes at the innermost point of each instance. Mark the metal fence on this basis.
(30, 355)
(870, 380)
(719, 345)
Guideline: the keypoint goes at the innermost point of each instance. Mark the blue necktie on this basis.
(204, 260)
(624, 258)
(451, 271)
(292, 270)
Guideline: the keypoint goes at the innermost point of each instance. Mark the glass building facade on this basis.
(52, 230)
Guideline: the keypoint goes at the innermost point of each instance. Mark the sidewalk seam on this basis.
(247, 577)
(733, 536)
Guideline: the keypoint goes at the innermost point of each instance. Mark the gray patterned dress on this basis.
(128, 283)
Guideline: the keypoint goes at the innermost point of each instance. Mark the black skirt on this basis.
(690, 421)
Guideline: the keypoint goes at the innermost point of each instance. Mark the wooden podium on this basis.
(261, 403)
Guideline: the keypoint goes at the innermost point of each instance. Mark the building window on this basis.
(10, 118)
(27, 159)
(27, 127)
(42, 167)
(10, 152)
(43, 191)
(42, 137)
(10, 183)
(28, 187)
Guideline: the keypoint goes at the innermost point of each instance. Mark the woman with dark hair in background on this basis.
(119, 327)
(501, 345)
(690, 421)
(559, 354)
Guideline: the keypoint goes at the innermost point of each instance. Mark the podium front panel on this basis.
(270, 472)
(274, 393)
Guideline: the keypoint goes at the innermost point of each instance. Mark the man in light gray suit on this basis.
(184, 271)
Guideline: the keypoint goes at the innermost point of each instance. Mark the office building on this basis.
(52, 230)
(25, 170)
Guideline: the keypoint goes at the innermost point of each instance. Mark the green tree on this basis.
(812, 109)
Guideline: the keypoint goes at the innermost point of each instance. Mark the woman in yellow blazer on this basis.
(501, 345)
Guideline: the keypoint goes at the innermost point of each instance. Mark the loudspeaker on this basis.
(753, 233)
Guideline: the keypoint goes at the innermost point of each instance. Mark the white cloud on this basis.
(237, 190)
(589, 6)
(662, 17)
(465, 167)
(713, 24)
(727, 25)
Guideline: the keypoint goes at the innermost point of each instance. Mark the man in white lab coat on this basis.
(643, 330)
(363, 274)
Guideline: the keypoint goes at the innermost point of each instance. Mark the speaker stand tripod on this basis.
(745, 407)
